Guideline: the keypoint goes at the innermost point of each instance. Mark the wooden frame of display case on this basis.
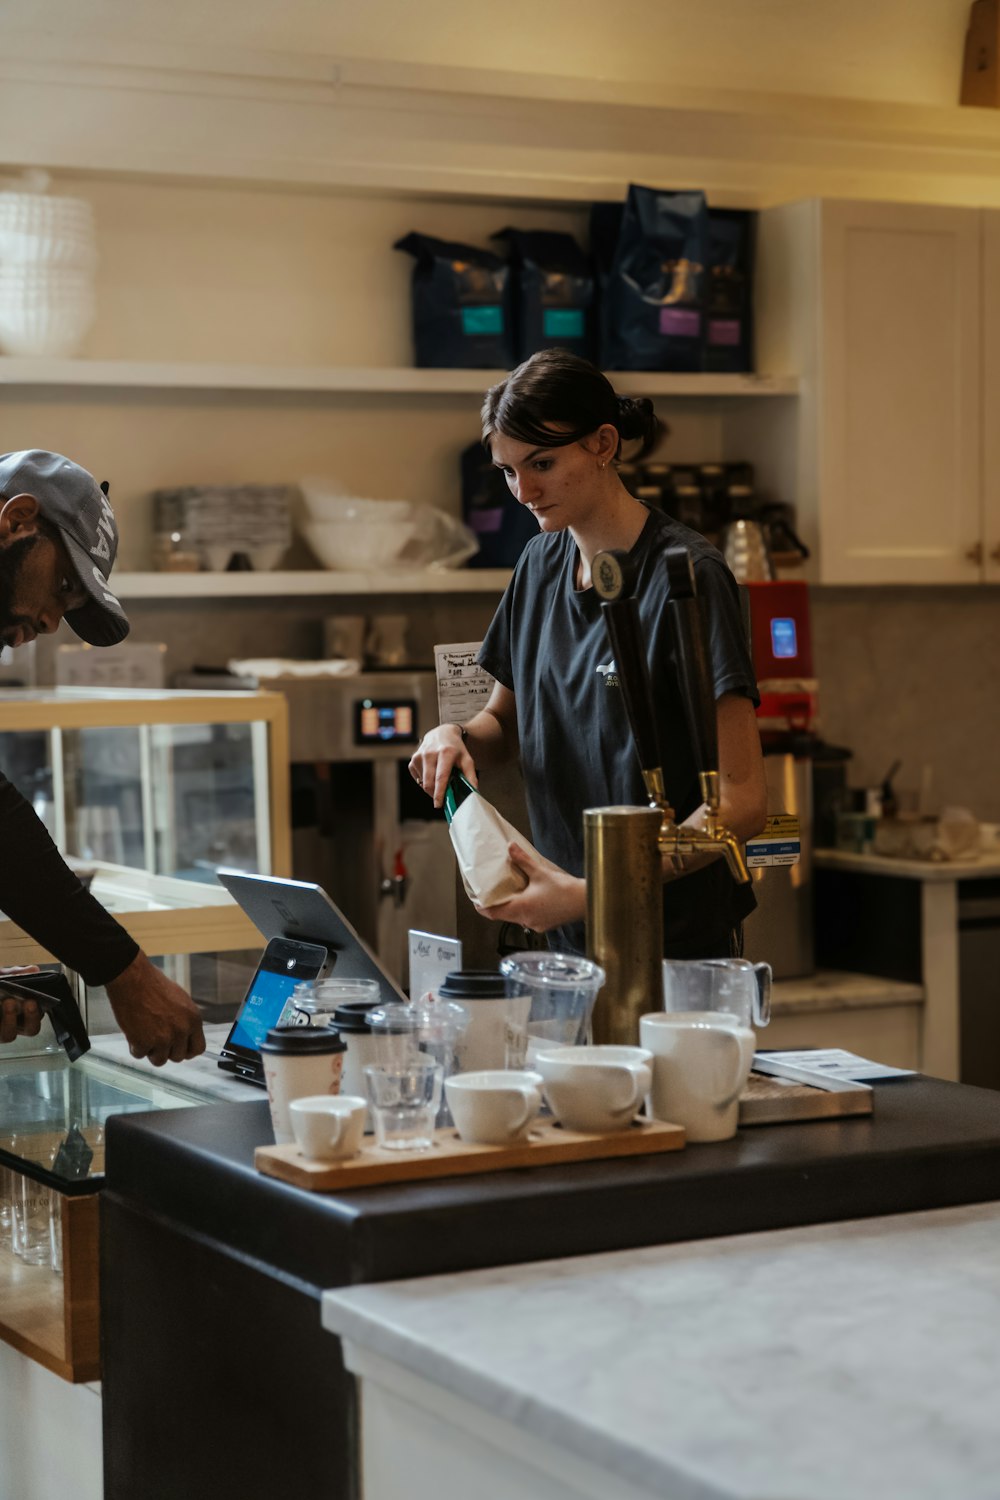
(55, 1319)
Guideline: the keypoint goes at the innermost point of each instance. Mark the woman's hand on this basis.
(551, 898)
(432, 761)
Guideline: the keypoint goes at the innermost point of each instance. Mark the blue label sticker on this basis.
(480, 320)
(562, 322)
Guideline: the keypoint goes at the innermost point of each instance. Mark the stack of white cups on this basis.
(48, 259)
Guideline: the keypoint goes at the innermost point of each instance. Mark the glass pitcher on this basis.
(721, 984)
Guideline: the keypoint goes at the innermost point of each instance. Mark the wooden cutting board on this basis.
(546, 1144)
(772, 1101)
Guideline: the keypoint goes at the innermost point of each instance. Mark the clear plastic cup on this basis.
(563, 988)
(404, 1104)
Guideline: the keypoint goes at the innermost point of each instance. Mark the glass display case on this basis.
(147, 793)
(51, 1170)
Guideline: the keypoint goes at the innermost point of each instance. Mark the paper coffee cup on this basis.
(299, 1061)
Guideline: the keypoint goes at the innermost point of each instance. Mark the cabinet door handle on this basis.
(995, 554)
(975, 554)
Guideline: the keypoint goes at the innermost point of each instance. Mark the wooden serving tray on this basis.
(772, 1101)
(450, 1156)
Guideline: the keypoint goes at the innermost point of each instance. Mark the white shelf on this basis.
(351, 379)
(305, 583)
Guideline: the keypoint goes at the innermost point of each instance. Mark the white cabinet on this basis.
(991, 395)
(887, 310)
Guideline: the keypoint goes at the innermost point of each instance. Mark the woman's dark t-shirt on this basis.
(548, 644)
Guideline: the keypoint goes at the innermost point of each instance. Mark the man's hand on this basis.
(551, 898)
(160, 1020)
(18, 1017)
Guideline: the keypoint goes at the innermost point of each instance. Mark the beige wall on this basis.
(892, 49)
(914, 674)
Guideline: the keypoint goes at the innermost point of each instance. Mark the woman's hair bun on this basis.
(637, 419)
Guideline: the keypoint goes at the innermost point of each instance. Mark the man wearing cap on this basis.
(58, 541)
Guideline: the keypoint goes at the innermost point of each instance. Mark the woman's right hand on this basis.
(432, 761)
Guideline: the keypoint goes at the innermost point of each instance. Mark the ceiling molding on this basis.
(293, 119)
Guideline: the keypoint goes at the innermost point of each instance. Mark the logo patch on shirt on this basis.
(610, 674)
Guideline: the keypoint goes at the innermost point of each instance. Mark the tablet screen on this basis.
(261, 1009)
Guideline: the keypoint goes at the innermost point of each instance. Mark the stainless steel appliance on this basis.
(780, 931)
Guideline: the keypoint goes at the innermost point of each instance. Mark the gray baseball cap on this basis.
(72, 500)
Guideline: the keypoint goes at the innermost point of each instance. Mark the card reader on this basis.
(51, 993)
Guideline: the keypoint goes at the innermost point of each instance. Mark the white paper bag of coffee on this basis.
(480, 837)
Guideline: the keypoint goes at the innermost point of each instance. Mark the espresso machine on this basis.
(623, 846)
(781, 929)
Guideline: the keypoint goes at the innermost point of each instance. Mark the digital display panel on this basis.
(385, 722)
(783, 638)
(262, 1007)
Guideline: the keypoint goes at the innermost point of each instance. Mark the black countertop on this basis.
(929, 1144)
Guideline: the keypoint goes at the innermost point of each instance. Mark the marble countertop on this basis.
(850, 1361)
(836, 989)
(202, 1074)
(985, 866)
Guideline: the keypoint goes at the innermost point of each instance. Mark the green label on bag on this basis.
(479, 320)
(562, 322)
(457, 790)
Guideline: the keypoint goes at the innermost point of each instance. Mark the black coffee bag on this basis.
(553, 292)
(461, 305)
(729, 313)
(502, 526)
(605, 227)
(655, 304)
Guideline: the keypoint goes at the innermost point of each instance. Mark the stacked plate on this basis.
(48, 256)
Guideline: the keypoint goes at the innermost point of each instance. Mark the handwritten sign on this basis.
(431, 958)
(463, 686)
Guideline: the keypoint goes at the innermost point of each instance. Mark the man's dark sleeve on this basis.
(40, 893)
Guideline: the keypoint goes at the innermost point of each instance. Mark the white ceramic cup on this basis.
(298, 1063)
(595, 1089)
(328, 1126)
(701, 1062)
(493, 1108)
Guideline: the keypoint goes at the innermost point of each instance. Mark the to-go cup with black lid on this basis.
(351, 1022)
(496, 1035)
(299, 1061)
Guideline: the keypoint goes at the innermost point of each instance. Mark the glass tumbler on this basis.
(32, 1212)
(315, 1003)
(404, 1103)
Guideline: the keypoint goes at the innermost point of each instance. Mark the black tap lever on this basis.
(691, 656)
(613, 578)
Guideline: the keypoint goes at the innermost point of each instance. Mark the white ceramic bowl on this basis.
(358, 544)
(43, 314)
(326, 506)
(41, 228)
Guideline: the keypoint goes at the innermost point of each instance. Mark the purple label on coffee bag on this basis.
(485, 520)
(680, 322)
(724, 331)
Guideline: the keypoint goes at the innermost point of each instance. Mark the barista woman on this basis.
(555, 428)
